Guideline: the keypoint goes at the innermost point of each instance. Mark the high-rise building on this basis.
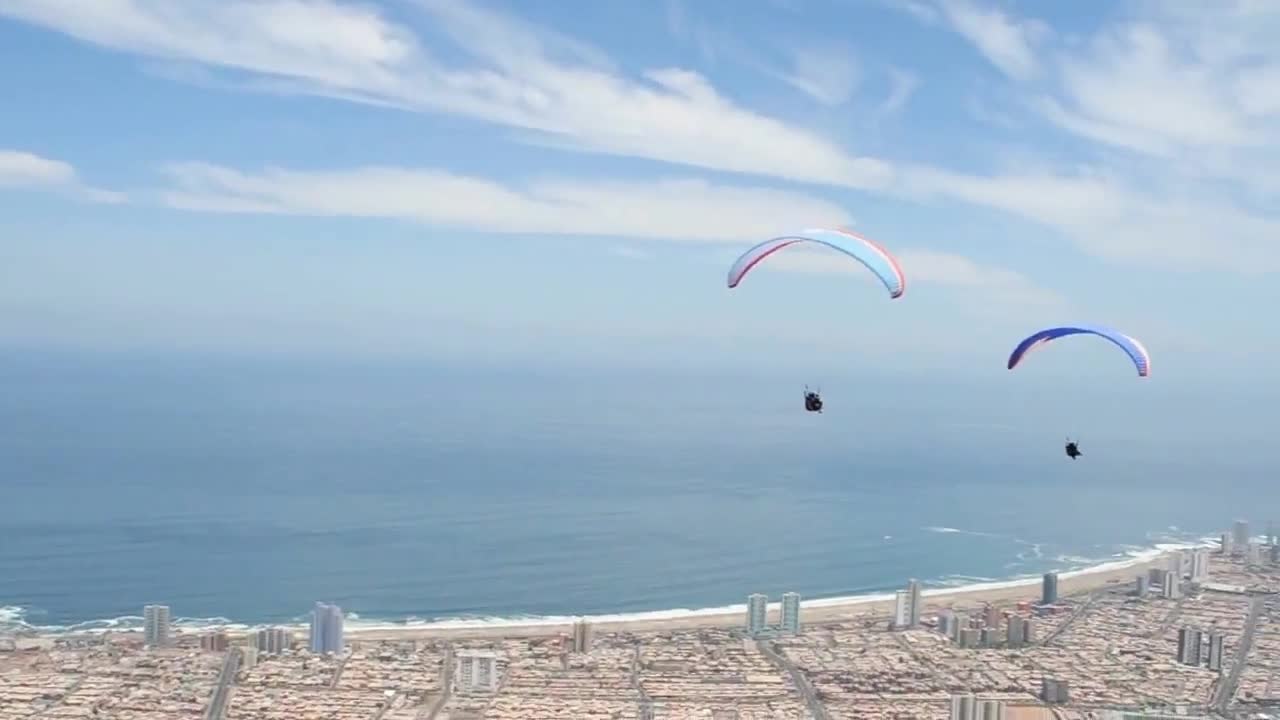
(1224, 544)
(1215, 651)
(1200, 566)
(1189, 646)
(1013, 632)
(215, 641)
(991, 616)
(790, 616)
(582, 636)
(1049, 589)
(475, 671)
(272, 641)
(1028, 631)
(155, 620)
(1240, 535)
(1054, 692)
(1171, 591)
(1275, 554)
(1140, 588)
(970, 638)
(757, 614)
(990, 637)
(989, 710)
(962, 707)
(248, 657)
(326, 629)
(913, 588)
(958, 625)
(902, 609)
(945, 619)
(1156, 576)
(1254, 554)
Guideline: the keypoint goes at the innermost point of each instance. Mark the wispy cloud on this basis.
(1006, 42)
(19, 169)
(521, 76)
(902, 85)
(675, 209)
(829, 75)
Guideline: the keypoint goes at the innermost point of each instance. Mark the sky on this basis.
(568, 182)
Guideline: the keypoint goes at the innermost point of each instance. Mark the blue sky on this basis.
(569, 181)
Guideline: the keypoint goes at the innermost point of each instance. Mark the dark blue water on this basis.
(249, 489)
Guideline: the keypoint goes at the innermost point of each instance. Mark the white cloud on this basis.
(1007, 43)
(20, 169)
(520, 76)
(902, 85)
(829, 75)
(667, 209)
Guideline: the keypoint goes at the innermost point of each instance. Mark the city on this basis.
(1193, 633)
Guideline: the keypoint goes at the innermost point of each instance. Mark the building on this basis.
(272, 641)
(962, 707)
(990, 637)
(155, 620)
(1028, 631)
(214, 642)
(1054, 692)
(475, 671)
(1224, 544)
(1189, 646)
(1254, 554)
(1049, 589)
(991, 616)
(248, 657)
(1239, 536)
(1156, 576)
(789, 619)
(1215, 651)
(1172, 591)
(582, 636)
(757, 614)
(989, 710)
(902, 610)
(913, 589)
(946, 618)
(326, 629)
(1013, 632)
(1199, 566)
(1140, 588)
(970, 638)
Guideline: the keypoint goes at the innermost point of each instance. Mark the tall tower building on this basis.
(1239, 535)
(1013, 632)
(1189, 646)
(272, 641)
(913, 589)
(1049, 588)
(1200, 566)
(790, 618)
(902, 610)
(1224, 544)
(475, 671)
(155, 620)
(1140, 588)
(1215, 652)
(1171, 589)
(989, 710)
(326, 629)
(757, 614)
(582, 636)
(962, 707)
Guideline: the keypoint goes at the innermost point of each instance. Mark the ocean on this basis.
(239, 490)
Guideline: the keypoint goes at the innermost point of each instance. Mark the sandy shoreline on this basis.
(814, 612)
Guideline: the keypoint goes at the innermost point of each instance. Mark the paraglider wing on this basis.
(868, 252)
(1137, 353)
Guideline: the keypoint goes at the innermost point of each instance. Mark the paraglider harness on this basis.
(1073, 449)
(812, 401)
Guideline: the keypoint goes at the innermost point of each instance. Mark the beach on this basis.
(816, 611)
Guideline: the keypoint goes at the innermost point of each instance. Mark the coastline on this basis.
(813, 610)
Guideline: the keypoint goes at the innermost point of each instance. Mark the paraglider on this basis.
(1136, 351)
(812, 401)
(868, 252)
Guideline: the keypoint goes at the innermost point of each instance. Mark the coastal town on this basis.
(1190, 633)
